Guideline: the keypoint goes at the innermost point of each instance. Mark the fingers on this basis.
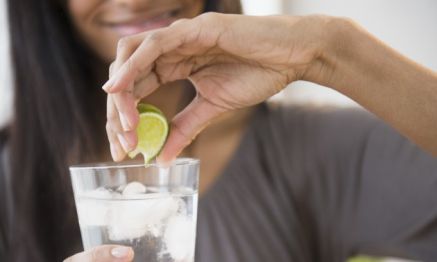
(124, 96)
(125, 99)
(134, 75)
(125, 47)
(112, 116)
(127, 139)
(106, 253)
(146, 86)
(155, 43)
(125, 105)
(186, 125)
(117, 151)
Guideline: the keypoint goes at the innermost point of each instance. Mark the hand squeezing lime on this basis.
(152, 131)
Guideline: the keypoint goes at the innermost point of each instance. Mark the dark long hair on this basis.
(58, 120)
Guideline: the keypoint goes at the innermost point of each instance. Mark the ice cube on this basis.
(134, 218)
(134, 188)
(180, 237)
(91, 210)
(101, 192)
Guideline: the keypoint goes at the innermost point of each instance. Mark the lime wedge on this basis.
(152, 131)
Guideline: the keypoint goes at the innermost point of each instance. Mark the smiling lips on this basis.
(139, 25)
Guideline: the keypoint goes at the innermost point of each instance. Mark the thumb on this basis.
(187, 125)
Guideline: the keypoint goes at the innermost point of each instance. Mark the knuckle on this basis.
(154, 37)
(179, 21)
(131, 65)
(124, 43)
(210, 17)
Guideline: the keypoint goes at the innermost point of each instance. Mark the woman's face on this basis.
(101, 23)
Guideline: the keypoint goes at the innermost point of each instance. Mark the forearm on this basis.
(398, 90)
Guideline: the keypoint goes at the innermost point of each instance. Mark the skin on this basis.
(212, 51)
(224, 135)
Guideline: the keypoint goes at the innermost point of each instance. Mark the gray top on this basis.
(320, 185)
(5, 201)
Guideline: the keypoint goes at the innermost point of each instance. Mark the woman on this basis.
(63, 114)
(275, 170)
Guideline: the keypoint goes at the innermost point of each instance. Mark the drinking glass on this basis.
(151, 208)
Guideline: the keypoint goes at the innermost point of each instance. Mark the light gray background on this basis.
(5, 74)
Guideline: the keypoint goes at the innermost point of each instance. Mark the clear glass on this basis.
(153, 209)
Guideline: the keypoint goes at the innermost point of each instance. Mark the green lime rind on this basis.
(147, 108)
(152, 132)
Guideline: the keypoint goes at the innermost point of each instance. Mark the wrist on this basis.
(336, 42)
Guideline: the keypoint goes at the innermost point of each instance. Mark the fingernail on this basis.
(124, 143)
(120, 252)
(107, 85)
(113, 151)
(124, 122)
(116, 154)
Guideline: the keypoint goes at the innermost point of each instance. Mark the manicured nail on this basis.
(107, 85)
(124, 122)
(126, 146)
(120, 252)
(113, 151)
(117, 155)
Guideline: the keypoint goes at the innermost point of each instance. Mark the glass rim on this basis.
(132, 164)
